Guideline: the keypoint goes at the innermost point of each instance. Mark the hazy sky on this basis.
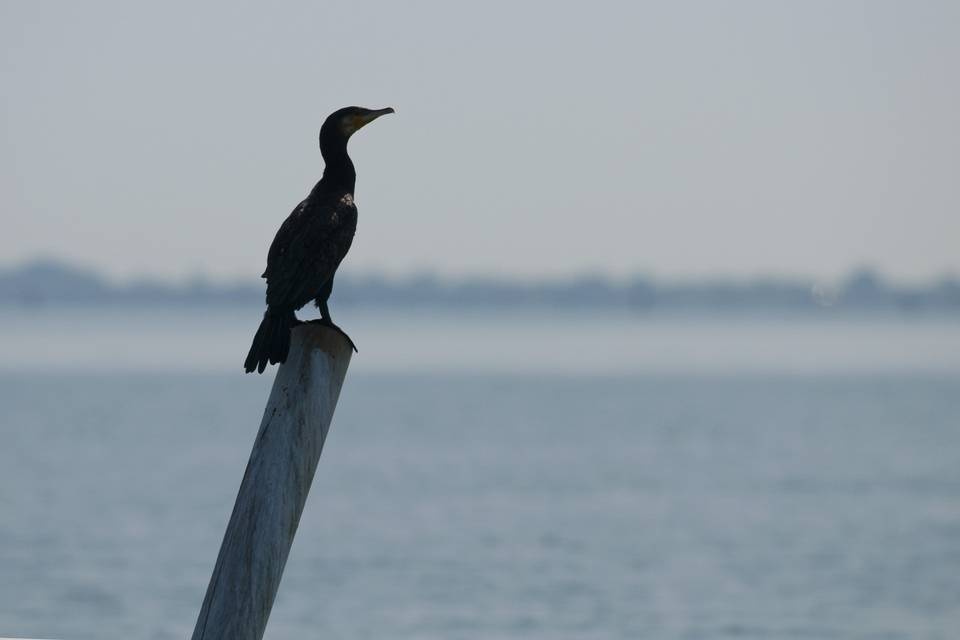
(675, 138)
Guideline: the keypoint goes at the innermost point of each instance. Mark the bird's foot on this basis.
(327, 322)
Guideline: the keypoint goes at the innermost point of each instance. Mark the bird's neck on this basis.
(338, 174)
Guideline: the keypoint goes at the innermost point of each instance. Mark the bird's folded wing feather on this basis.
(307, 250)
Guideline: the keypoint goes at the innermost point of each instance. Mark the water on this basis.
(807, 497)
(216, 339)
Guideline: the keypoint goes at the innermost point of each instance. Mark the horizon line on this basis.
(946, 274)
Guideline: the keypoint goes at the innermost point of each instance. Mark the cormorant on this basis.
(311, 242)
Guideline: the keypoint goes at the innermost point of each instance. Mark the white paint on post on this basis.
(274, 487)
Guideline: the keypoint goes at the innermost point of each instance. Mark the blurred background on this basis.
(657, 304)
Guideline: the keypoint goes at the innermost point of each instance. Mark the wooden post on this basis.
(274, 487)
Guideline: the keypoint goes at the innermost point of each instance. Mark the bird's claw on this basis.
(329, 323)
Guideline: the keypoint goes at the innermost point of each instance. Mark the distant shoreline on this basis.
(43, 283)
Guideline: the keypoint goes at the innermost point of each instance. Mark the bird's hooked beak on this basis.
(357, 122)
(376, 113)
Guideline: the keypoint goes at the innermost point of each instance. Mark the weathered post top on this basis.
(275, 485)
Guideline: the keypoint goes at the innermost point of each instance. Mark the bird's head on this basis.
(343, 123)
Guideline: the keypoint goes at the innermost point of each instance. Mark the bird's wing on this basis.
(283, 236)
(307, 250)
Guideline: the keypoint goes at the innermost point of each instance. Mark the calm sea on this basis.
(495, 476)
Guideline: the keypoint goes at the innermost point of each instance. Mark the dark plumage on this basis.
(311, 242)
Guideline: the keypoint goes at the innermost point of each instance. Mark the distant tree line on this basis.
(50, 282)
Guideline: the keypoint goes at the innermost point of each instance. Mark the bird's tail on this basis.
(271, 342)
